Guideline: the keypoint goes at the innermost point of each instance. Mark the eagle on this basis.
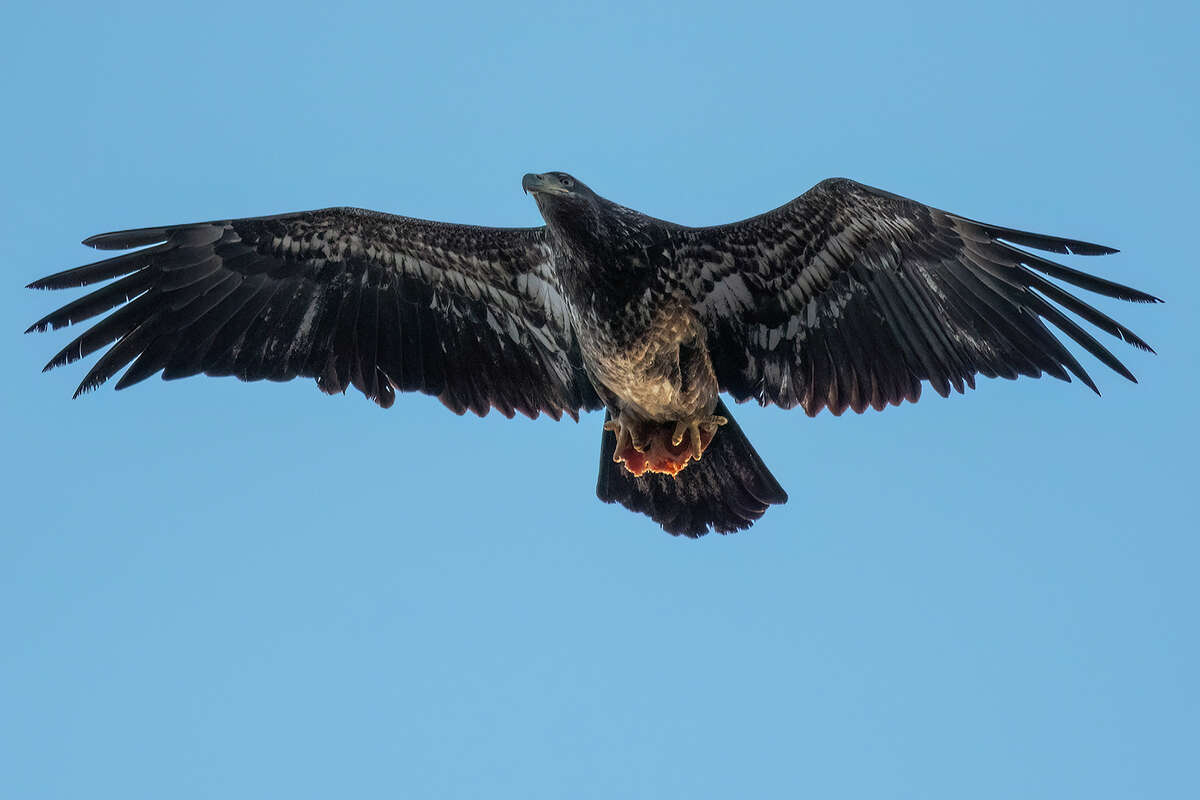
(847, 297)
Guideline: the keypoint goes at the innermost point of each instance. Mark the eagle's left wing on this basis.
(850, 297)
(385, 303)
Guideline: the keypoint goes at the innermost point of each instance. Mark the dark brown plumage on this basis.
(847, 297)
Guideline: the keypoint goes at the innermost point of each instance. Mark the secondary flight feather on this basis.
(846, 297)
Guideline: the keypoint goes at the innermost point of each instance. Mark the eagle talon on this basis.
(693, 427)
(644, 446)
(630, 437)
(622, 433)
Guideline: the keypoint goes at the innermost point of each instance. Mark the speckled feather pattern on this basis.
(846, 297)
(851, 297)
(471, 315)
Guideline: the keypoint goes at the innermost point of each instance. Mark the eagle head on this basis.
(555, 184)
(572, 211)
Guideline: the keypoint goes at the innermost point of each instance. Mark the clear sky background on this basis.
(216, 589)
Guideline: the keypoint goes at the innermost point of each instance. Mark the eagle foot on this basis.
(662, 447)
(699, 431)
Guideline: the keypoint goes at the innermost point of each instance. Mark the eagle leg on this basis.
(665, 448)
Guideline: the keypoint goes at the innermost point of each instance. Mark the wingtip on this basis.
(1132, 295)
(102, 241)
(1089, 249)
(1083, 377)
(125, 240)
(1056, 244)
(105, 241)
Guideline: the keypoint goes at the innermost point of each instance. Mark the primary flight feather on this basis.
(846, 297)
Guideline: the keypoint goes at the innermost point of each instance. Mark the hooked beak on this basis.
(539, 183)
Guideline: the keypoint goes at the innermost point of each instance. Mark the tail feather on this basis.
(725, 491)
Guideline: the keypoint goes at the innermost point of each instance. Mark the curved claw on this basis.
(622, 433)
(693, 427)
(629, 435)
(648, 447)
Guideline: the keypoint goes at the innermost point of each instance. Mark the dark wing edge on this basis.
(851, 297)
(350, 297)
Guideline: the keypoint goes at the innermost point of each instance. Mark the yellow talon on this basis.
(677, 436)
(622, 433)
(628, 435)
(643, 446)
(692, 427)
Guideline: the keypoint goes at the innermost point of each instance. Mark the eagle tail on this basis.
(725, 491)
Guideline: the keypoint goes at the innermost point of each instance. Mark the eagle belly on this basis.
(660, 371)
(659, 383)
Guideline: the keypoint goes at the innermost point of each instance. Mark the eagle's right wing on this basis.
(471, 315)
(850, 297)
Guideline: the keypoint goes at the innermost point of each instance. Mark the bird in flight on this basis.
(846, 297)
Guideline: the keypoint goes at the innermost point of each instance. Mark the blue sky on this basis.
(216, 589)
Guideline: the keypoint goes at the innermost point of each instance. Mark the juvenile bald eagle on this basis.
(846, 297)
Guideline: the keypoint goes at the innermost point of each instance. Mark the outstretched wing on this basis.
(350, 297)
(850, 297)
